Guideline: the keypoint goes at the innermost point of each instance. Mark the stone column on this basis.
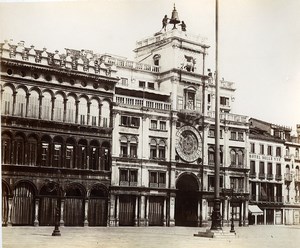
(52, 109)
(40, 106)
(65, 110)
(257, 192)
(88, 113)
(27, 103)
(199, 213)
(36, 213)
(9, 211)
(172, 209)
(136, 220)
(246, 221)
(142, 211)
(62, 206)
(241, 214)
(14, 103)
(204, 213)
(226, 206)
(76, 110)
(274, 217)
(165, 212)
(147, 211)
(112, 210)
(265, 216)
(86, 208)
(118, 210)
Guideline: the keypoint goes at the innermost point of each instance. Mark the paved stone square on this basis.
(148, 237)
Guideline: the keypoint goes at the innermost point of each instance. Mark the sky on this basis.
(259, 40)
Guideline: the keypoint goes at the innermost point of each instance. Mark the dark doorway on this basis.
(97, 210)
(127, 210)
(186, 204)
(48, 204)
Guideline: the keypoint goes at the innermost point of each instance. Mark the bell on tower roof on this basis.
(174, 18)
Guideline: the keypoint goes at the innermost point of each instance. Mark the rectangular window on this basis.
(130, 121)
(162, 152)
(69, 156)
(124, 81)
(208, 98)
(153, 154)
(262, 149)
(142, 84)
(278, 151)
(190, 101)
(252, 167)
(150, 85)
(240, 136)
(211, 132)
(252, 148)
(233, 135)
(124, 149)
(94, 121)
(45, 154)
(224, 101)
(157, 179)
(162, 125)
(270, 170)
(237, 183)
(124, 176)
(270, 150)
(133, 150)
(128, 177)
(180, 102)
(57, 155)
(211, 182)
(153, 124)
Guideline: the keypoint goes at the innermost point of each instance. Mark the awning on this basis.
(254, 209)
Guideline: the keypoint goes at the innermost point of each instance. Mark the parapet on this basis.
(78, 60)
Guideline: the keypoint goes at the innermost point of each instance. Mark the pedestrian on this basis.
(165, 22)
(183, 26)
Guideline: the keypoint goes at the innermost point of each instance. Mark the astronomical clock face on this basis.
(188, 143)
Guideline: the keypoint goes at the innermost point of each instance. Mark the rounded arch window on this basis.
(7, 101)
(71, 109)
(46, 106)
(33, 104)
(105, 113)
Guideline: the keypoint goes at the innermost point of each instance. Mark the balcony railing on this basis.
(157, 185)
(270, 176)
(288, 177)
(252, 175)
(138, 103)
(229, 117)
(278, 177)
(262, 175)
(127, 183)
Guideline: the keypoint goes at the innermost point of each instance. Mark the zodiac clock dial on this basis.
(188, 143)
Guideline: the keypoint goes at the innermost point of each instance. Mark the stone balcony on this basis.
(159, 37)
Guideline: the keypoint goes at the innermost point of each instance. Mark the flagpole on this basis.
(216, 214)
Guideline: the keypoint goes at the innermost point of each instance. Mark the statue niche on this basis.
(189, 63)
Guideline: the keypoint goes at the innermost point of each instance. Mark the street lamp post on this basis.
(232, 213)
(56, 231)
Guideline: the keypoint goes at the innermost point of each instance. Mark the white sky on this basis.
(259, 40)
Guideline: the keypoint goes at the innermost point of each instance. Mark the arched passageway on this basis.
(186, 204)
